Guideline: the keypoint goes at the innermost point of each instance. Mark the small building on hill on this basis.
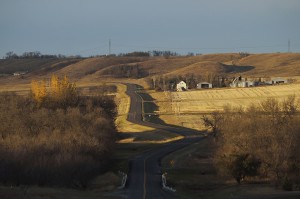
(204, 85)
(181, 86)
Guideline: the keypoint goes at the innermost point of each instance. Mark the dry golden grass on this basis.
(200, 68)
(275, 64)
(88, 72)
(187, 107)
(89, 66)
(15, 88)
(256, 65)
(161, 65)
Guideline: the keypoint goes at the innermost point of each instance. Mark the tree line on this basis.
(261, 141)
(55, 136)
(39, 55)
(36, 55)
(126, 71)
(154, 53)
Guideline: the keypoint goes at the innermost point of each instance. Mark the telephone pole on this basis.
(109, 47)
(289, 46)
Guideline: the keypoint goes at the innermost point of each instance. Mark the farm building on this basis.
(202, 85)
(279, 81)
(181, 86)
(19, 73)
(242, 82)
(276, 80)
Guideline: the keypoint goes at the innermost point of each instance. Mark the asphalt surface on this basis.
(144, 178)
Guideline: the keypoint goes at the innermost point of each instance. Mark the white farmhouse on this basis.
(181, 86)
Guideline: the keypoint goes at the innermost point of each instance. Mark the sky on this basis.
(84, 27)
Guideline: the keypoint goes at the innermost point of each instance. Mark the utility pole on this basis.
(109, 47)
(289, 46)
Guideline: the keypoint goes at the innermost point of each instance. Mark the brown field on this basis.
(187, 107)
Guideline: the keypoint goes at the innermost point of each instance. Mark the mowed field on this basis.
(186, 108)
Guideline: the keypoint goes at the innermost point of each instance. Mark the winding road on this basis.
(144, 179)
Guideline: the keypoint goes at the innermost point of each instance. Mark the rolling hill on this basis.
(101, 68)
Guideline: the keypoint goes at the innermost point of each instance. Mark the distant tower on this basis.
(109, 47)
(289, 46)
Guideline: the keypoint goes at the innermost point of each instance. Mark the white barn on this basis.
(181, 86)
(203, 85)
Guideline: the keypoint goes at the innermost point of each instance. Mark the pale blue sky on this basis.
(201, 26)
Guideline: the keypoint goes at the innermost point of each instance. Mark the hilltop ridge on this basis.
(100, 68)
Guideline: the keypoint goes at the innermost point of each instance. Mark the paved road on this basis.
(144, 179)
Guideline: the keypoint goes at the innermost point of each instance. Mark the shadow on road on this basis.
(150, 115)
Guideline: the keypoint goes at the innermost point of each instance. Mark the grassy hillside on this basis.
(92, 65)
(210, 67)
(138, 69)
(287, 64)
(9, 66)
(258, 65)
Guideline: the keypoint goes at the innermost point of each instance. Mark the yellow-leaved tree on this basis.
(64, 91)
(39, 91)
(54, 87)
(60, 92)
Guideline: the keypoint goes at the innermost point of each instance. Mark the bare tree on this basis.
(269, 132)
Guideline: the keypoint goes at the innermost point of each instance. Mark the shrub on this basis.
(242, 165)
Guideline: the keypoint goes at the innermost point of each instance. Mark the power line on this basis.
(134, 47)
(199, 48)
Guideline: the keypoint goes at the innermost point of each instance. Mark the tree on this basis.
(60, 92)
(269, 132)
(11, 55)
(214, 122)
(68, 94)
(39, 91)
(242, 165)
